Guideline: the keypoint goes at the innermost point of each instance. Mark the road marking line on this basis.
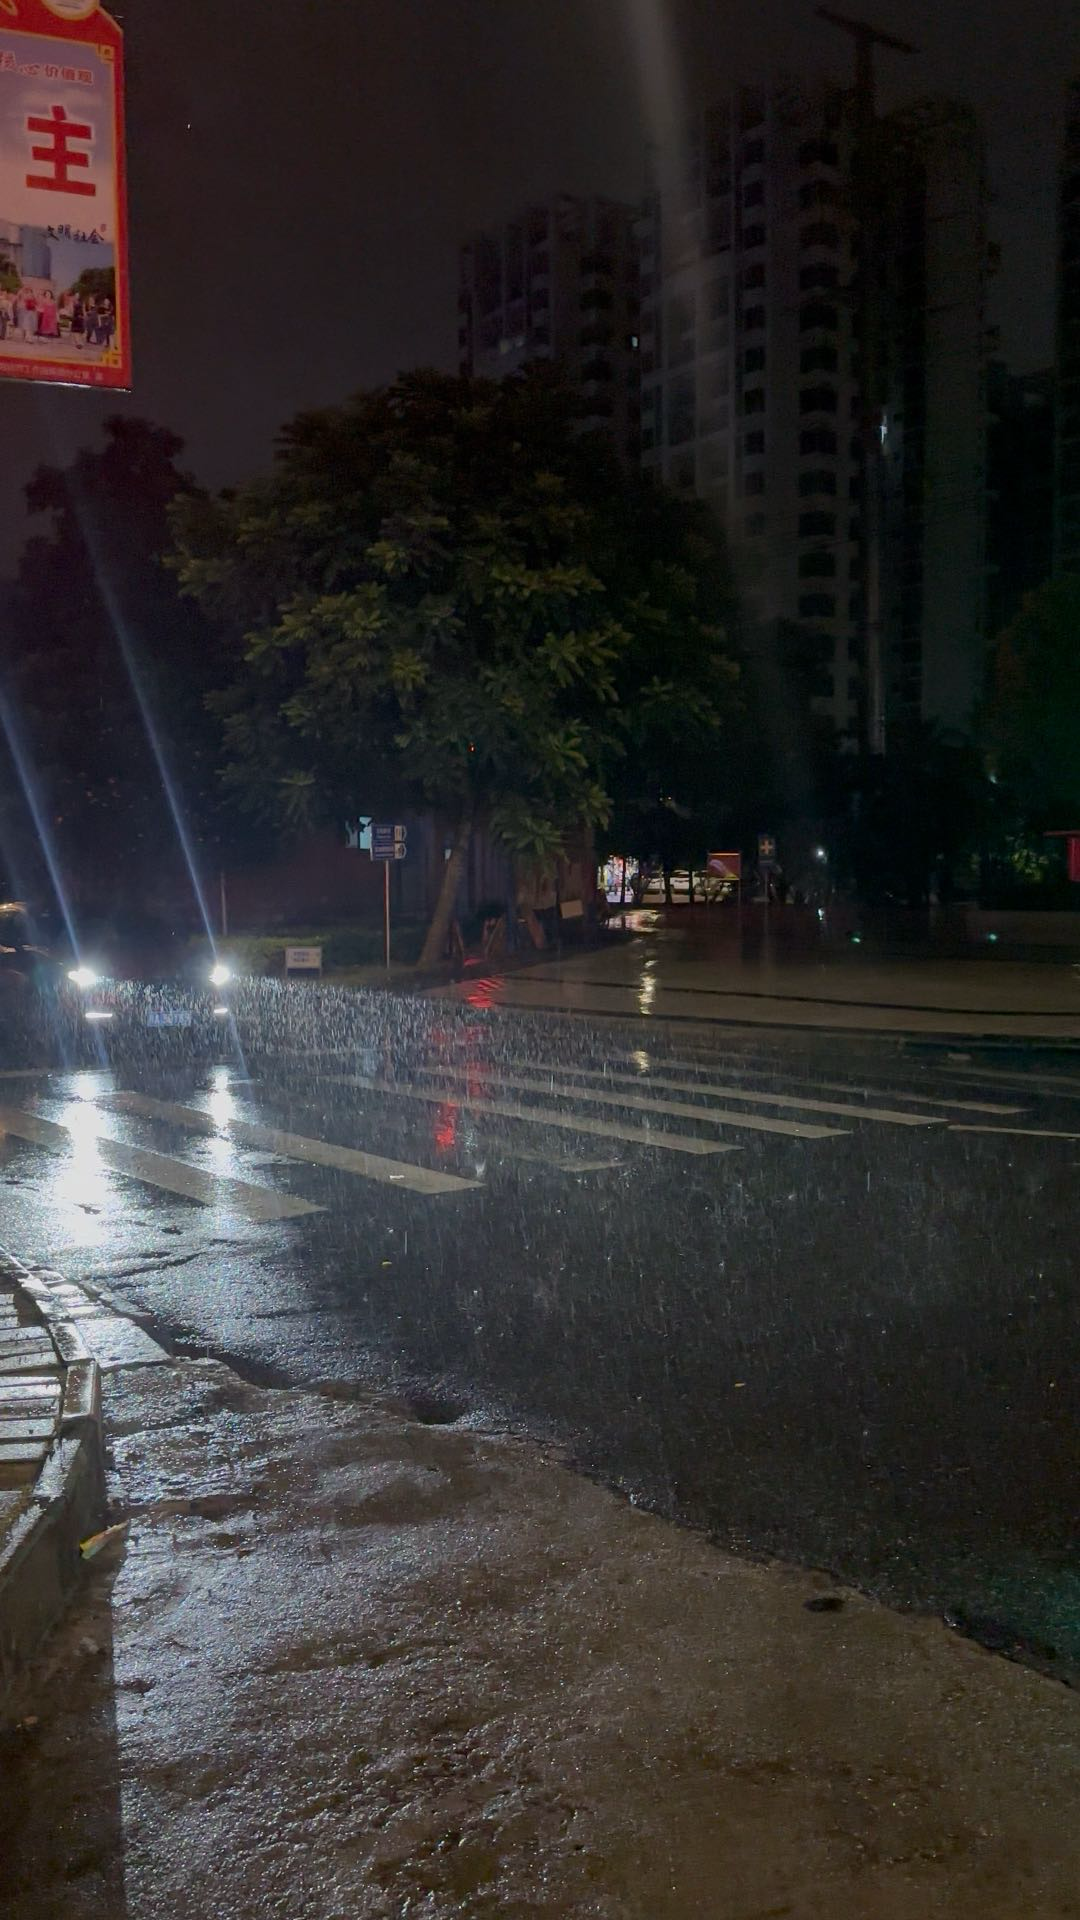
(543, 1117)
(320, 1153)
(886, 1114)
(679, 1109)
(1024, 1133)
(159, 1169)
(1064, 1085)
(833, 1086)
(569, 1165)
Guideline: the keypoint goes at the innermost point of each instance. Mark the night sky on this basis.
(301, 174)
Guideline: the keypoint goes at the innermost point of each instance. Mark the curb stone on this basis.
(47, 1380)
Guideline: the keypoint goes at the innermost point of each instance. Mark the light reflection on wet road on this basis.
(775, 1286)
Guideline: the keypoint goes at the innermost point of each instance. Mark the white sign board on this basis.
(303, 959)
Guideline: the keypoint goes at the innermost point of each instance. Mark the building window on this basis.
(754, 442)
(753, 317)
(754, 525)
(817, 440)
(681, 410)
(683, 478)
(596, 298)
(822, 274)
(818, 313)
(823, 359)
(819, 565)
(539, 298)
(817, 193)
(817, 400)
(751, 108)
(753, 483)
(754, 275)
(753, 237)
(753, 401)
(753, 153)
(817, 606)
(754, 194)
(819, 481)
(813, 524)
(821, 234)
(753, 359)
(821, 153)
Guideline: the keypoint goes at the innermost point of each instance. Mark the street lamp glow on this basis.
(220, 974)
(83, 976)
(820, 853)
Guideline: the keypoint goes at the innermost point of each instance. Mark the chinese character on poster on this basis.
(63, 264)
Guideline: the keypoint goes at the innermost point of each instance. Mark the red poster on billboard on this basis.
(63, 216)
(725, 866)
(1073, 851)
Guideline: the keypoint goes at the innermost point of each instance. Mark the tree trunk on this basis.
(690, 887)
(589, 882)
(667, 886)
(435, 941)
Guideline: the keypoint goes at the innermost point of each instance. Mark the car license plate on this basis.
(169, 1017)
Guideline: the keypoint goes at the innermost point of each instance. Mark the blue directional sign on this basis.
(388, 842)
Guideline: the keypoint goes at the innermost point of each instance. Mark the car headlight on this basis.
(83, 976)
(220, 974)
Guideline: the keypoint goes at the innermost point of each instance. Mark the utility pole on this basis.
(869, 317)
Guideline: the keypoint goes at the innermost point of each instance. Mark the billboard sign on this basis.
(725, 866)
(63, 216)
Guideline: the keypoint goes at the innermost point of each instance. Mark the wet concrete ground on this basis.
(814, 1295)
(344, 1665)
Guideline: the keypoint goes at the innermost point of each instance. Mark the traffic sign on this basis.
(389, 842)
(766, 849)
(358, 834)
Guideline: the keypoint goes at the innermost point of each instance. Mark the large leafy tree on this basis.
(1031, 721)
(450, 597)
(103, 681)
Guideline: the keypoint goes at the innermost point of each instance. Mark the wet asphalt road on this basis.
(815, 1295)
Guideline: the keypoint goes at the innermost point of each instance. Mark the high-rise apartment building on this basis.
(752, 391)
(559, 283)
(1020, 470)
(1067, 462)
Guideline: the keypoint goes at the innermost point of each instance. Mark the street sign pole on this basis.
(387, 843)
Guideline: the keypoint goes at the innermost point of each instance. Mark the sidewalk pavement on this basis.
(51, 1461)
(352, 1666)
(669, 974)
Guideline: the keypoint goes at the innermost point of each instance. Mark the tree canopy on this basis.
(1031, 723)
(449, 597)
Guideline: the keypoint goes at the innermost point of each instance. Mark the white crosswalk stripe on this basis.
(1019, 1133)
(543, 1117)
(157, 1169)
(295, 1146)
(731, 1063)
(847, 1109)
(543, 1081)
